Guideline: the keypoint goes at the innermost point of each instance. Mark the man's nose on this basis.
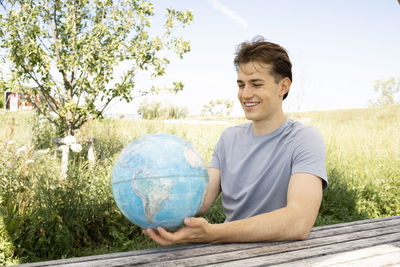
(247, 92)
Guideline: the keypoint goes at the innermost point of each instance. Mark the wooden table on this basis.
(361, 243)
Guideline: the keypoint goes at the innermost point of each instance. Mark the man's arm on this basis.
(292, 222)
(214, 189)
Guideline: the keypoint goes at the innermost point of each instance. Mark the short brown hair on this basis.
(262, 51)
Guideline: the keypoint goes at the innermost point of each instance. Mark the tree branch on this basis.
(43, 90)
(53, 26)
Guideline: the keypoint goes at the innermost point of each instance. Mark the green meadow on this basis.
(43, 217)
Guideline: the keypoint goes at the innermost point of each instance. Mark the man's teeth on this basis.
(250, 104)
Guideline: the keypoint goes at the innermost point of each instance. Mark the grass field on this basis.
(79, 217)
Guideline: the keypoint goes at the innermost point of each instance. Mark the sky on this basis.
(338, 50)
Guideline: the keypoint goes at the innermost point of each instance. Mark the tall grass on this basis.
(363, 159)
(43, 217)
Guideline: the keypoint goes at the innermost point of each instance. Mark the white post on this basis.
(91, 153)
(64, 161)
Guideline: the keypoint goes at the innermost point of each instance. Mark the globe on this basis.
(158, 180)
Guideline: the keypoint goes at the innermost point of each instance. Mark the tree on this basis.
(388, 90)
(219, 107)
(67, 52)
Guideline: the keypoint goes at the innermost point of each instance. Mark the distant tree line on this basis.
(218, 108)
(156, 110)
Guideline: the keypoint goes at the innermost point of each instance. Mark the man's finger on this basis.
(158, 238)
(174, 238)
(194, 222)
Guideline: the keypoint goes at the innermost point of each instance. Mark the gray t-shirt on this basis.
(255, 170)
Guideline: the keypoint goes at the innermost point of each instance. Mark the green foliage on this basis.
(49, 218)
(216, 212)
(157, 110)
(218, 108)
(6, 246)
(42, 132)
(339, 201)
(388, 90)
(109, 140)
(70, 50)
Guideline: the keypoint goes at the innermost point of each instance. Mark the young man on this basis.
(271, 172)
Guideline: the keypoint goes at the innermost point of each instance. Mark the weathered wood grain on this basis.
(341, 225)
(288, 252)
(326, 242)
(381, 255)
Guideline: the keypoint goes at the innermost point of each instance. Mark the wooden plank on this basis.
(159, 256)
(295, 256)
(353, 223)
(351, 227)
(199, 256)
(204, 249)
(381, 255)
(288, 246)
(183, 252)
(115, 255)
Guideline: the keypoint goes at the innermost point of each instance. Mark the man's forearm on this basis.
(281, 224)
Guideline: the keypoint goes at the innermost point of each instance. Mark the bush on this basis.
(48, 218)
(42, 132)
(339, 202)
(110, 141)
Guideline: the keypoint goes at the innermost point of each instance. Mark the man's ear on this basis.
(284, 86)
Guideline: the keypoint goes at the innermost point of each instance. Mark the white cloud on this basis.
(229, 13)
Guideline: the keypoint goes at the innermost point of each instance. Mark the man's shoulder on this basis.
(301, 130)
(306, 136)
(237, 129)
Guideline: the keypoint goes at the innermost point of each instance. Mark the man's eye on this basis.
(241, 85)
(257, 85)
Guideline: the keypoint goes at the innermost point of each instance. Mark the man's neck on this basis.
(268, 125)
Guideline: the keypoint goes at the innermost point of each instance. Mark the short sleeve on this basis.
(309, 154)
(215, 159)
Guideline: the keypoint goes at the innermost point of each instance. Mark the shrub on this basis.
(110, 141)
(42, 132)
(6, 246)
(48, 218)
(339, 202)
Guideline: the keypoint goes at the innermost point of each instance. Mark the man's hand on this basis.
(196, 230)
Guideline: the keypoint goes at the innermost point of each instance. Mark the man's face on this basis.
(259, 94)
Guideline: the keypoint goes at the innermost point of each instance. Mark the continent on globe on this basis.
(145, 190)
(158, 180)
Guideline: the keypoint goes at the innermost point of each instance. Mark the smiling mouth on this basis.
(250, 104)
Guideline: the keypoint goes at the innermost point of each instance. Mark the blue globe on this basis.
(158, 180)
